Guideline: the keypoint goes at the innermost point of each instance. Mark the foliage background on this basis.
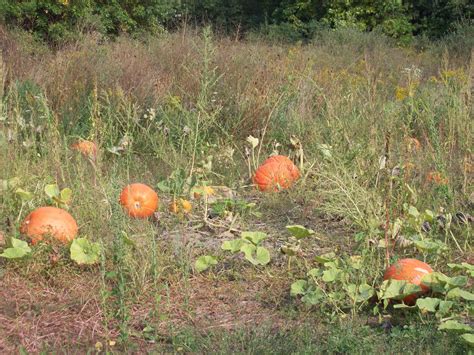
(59, 20)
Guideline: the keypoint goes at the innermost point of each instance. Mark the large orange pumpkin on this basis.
(277, 172)
(412, 271)
(87, 148)
(284, 161)
(49, 220)
(139, 200)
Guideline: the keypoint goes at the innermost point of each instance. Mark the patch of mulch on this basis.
(66, 314)
(36, 315)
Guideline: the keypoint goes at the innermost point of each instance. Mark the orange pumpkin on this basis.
(285, 161)
(412, 271)
(277, 172)
(437, 178)
(87, 148)
(49, 220)
(412, 144)
(181, 205)
(139, 200)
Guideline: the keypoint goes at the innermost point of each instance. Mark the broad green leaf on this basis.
(313, 297)
(444, 308)
(52, 190)
(325, 257)
(352, 291)
(325, 151)
(436, 281)
(427, 304)
(248, 250)
(455, 326)
(429, 216)
(428, 245)
(164, 186)
(468, 338)
(365, 292)
(254, 237)
(413, 212)
(24, 195)
(205, 262)
(256, 255)
(315, 272)
(18, 249)
(66, 195)
(84, 252)
(298, 287)
(9, 183)
(299, 232)
(457, 292)
(331, 275)
(355, 261)
(457, 281)
(262, 256)
(462, 266)
(233, 245)
(397, 289)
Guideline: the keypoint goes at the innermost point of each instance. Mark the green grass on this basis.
(180, 108)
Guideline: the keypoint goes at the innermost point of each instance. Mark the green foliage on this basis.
(249, 244)
(58, 20)
(205, 262)
(84, 251)
(18, 249)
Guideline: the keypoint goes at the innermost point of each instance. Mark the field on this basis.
(382, 136)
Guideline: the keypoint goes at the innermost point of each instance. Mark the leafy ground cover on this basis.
(382, 137)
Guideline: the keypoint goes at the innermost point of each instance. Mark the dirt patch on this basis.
(66, 314)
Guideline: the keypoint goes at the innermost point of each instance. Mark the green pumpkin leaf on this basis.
(298, 287)
(365, 292)
(19, 248)
(413, 212)
(331, 275)
(444, 308)
(457, 281)
(256, 255)
(325, 258)
(24, 195)
(262, 256)
(313, 297)
(84, 252)
(299, 232)
(427, 304)
(254, 237)
(468, 338)
(66, 195)
(233, 245)
(52, 190)
(397, 289)
(314, 273)
(205, 262)
(457, 292)
(455, 326)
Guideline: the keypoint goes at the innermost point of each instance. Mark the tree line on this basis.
(60, 20)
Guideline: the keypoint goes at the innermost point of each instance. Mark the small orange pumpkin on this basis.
(181, 205)
(437, 178)
(139, 200)
(412, 271)
(87, 148)
(49, 220)
(412, 144)
(277, 172)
